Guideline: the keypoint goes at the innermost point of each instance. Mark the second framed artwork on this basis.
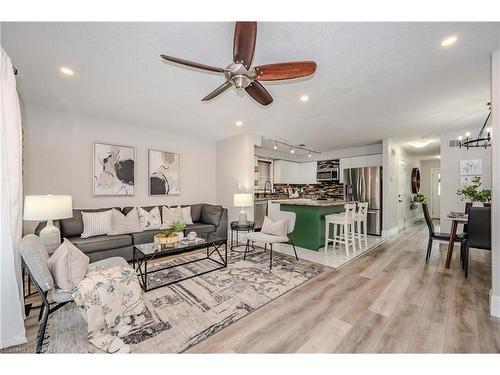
(164, 172)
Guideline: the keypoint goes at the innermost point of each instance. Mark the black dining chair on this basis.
(433, 235)
(478, 233)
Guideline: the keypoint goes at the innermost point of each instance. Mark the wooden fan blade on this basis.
(287, 70)
(191, 64)
(217, 91)
(245, 34)
(259, 93)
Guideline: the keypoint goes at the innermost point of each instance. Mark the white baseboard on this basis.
(13, 341)
(495, 306)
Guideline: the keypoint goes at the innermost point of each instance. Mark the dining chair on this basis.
(478, 233)
(438, 236)
(271, 239)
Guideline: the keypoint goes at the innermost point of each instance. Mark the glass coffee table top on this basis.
(156, 249)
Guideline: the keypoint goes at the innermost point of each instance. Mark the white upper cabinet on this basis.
(359, 162)
(289, 172)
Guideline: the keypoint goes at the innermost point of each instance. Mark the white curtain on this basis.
(12, 330)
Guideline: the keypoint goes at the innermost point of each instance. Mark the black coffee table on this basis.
(147, 252)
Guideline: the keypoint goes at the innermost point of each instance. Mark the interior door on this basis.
(402, 195)
(435, 193)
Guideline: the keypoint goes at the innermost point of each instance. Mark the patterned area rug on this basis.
(186, 313)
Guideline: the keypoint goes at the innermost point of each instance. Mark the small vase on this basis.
(180, 235)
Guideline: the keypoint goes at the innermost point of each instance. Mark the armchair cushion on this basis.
(276, 228)
(35, 257)
(265, 238)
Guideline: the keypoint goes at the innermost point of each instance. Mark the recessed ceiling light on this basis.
(66, 71)
(304, 98)
(420, 144)
(467, 134)
(275, 146)
(309, 154)
(239, 124)
(292, 151)
(449, 41)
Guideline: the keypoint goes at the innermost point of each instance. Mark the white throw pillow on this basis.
(149, 220)
(124, 224)
(171, 215)
(96, 223)
(186, 215)
(68, 265)
(276, 228)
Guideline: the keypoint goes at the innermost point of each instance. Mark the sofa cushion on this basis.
(196, 212)
(200, 228)
(211, 214)
(99, 243)
(144, 237)
(73, 226)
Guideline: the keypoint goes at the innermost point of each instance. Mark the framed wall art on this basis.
(164, 173)
(113, 170)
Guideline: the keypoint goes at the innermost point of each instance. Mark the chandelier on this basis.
(483, 139)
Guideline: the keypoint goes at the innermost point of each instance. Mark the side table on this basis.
(235, 229)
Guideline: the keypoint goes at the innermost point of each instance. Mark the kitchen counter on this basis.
(311, 202)
(309, 231)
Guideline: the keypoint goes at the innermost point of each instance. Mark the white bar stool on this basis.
(360, 219)
(345, 222)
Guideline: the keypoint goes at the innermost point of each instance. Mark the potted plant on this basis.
(419, 198)
(178, 228)
(472, 194)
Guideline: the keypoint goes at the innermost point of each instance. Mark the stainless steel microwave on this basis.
(330, 174)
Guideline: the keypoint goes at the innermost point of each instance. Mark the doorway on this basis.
(435, 193)
(402, 195)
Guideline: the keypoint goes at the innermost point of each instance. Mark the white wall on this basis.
(392, 153)
(426, 177)
(495, 256)
(58, 159)
(450, 172)
(235, 165)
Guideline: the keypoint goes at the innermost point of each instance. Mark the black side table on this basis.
(236, 228)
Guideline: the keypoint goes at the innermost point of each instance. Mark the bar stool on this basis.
(345, 222)
(360, 219)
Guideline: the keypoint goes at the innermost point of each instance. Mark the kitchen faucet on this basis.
(265, 188)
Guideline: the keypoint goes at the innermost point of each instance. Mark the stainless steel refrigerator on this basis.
(365, 185)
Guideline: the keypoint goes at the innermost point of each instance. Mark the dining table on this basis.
(455, 220)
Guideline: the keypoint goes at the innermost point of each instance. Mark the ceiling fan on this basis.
(240, 72)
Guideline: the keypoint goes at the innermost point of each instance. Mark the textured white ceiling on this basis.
(374, 80)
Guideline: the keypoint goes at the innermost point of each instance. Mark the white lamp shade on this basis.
(243, 200)
(47, 207)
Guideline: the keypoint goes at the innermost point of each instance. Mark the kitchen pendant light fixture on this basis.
(483, 138)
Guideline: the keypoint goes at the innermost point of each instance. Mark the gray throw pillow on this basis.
(211, 214)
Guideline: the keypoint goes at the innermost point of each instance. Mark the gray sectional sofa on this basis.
(207, 219)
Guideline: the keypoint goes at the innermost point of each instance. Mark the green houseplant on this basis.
(419, 198)
(178, 227)
(472, 193)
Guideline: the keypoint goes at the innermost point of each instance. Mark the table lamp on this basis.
(48, 207)
(243, 200)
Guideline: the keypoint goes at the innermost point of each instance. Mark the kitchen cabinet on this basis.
(289, 172)
(359, 162)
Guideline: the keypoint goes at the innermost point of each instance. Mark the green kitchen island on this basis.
(309, 232)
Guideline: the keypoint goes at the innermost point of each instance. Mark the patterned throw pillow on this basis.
(68, 265)
(149, 220)
(122, 224)
(171, 215)
(96, 223)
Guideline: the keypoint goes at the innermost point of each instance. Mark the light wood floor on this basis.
(387, 301)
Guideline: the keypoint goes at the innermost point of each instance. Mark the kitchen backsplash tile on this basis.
(328, 189)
